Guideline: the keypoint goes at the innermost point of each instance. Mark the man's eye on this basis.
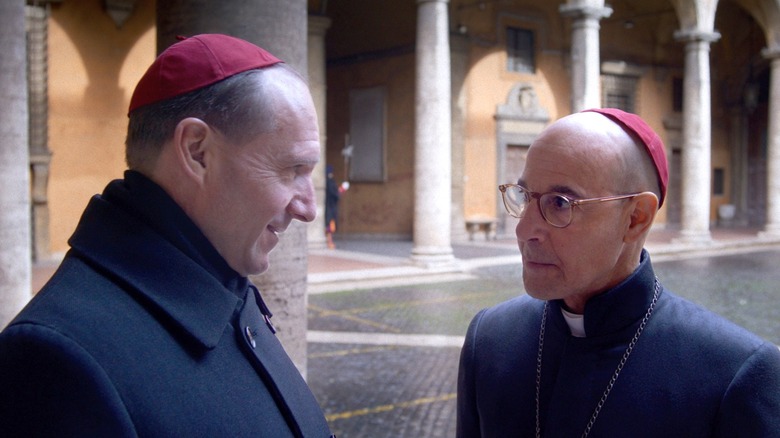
(559, 202)
(523, 196)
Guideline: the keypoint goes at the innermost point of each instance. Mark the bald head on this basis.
(606, 148)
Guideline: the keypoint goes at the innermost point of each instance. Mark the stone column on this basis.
(459, 59)
(433, 158)
(772, 227)
(15, 252)
(280, 27)
(38, 98)
(697, 134)
(738, 138)
(585, 58)
(318, 25)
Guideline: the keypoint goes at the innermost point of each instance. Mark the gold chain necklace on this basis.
(615, 375)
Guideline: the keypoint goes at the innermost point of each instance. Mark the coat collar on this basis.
(180, 283)
(620, 307)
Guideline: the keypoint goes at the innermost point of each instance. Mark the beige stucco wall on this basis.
(93, 68)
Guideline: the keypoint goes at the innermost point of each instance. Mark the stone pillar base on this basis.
(699, 238)
(434, 257)
(318, 244)
(771, 232)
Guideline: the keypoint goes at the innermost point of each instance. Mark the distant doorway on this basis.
(515, 162)
(518, 123)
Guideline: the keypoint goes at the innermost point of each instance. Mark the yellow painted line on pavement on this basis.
(349, 314)
(401, 304)
(347, 352)
(325, 312)
(390, 407)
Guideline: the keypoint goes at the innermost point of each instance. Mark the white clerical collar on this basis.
(576, 323)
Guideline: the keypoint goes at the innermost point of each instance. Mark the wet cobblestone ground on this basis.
(377, 388)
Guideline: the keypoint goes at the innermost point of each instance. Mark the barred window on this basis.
(520, 50)
(677, 94)
(619, 91)
(718, 181)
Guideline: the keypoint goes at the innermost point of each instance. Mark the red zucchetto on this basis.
(196, 62)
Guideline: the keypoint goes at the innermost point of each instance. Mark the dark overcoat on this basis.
(690, 374)
(145, 331)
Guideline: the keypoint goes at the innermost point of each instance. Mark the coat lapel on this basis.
(282, 378)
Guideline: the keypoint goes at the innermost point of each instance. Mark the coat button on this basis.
(250, 337)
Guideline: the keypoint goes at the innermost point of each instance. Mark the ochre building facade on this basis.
(700, 72)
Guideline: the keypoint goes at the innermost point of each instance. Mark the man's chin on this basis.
(259, 270)
(261, 259)
(538, 290)
(535, 294)
(257, 265)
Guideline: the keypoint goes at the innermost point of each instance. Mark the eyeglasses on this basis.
(556, 208)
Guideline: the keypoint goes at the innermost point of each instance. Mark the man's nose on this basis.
(304, 205)
(530, 225)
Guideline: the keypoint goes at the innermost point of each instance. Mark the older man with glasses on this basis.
(598, 346)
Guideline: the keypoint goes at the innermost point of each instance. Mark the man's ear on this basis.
(644, 207)
(190, 140)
